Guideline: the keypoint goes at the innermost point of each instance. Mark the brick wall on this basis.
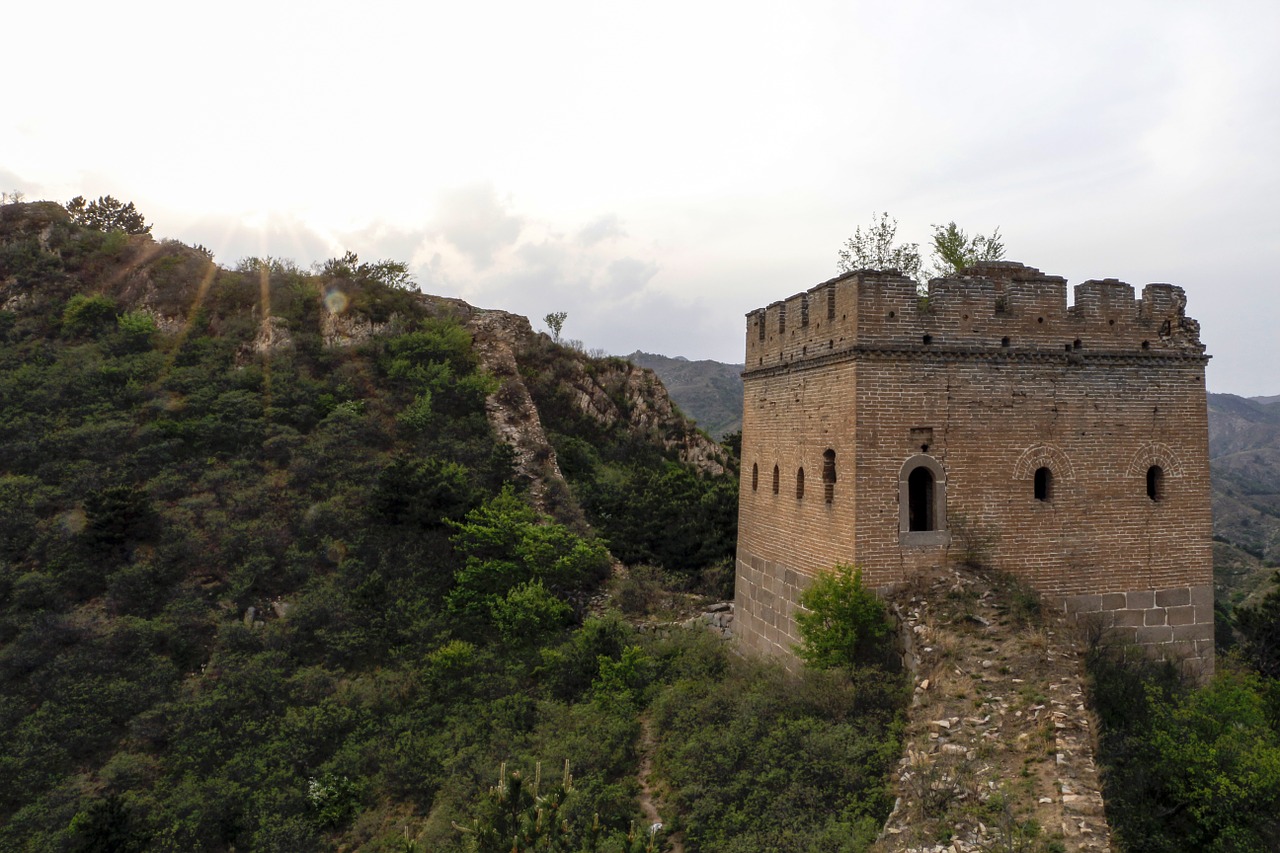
(990, 379)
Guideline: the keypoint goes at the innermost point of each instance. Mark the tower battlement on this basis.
(999, 307)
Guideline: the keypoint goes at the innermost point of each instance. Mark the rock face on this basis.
(707, 391)
(999, 739)
(613, 390)
(608, 390)
(497, 336)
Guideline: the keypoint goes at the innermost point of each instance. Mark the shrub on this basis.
(842, 622)
(527, 612)
(137, 331)
(88, 314)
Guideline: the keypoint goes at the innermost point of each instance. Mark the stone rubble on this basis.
(999, 740)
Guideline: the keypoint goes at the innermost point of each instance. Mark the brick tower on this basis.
(1066, 445)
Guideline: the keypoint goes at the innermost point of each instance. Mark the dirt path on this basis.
(675, 843)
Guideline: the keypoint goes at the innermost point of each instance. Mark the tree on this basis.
(14, 197)
(107, 214)
(555, 322)
(505, 544)
(875, 250)
(391, 273)
(841, 621)
(954, 250)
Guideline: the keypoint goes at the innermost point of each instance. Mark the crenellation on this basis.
(1101, 305)
(1000, 310)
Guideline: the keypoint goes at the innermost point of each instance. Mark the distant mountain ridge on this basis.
(708, 391)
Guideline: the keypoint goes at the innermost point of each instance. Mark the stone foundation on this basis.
(766, 597)
(1174, 623)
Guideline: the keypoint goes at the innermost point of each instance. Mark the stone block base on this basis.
(1174, 624)
(766, 595)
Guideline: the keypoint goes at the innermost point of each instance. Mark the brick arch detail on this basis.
(1155, 453)
(1043, 456)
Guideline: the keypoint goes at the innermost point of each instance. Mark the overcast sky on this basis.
(659, 169)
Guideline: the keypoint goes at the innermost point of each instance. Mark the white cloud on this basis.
(477, 223)
(500, 147)
(607, 226)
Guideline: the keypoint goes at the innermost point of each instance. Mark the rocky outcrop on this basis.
(614, 390)
(343, 329)
(496, 336)
(610, 391)
(32, 218)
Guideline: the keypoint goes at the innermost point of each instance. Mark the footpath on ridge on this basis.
(998, 749)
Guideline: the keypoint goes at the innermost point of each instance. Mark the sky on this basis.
(659, 169)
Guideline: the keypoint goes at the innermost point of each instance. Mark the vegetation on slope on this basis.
(1188, 766)
(262, 591)
(650, 508)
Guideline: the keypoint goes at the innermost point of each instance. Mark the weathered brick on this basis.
(1141, 599)
(1130, 618)
(1153, 634)
(1173, 597)
(1202, 632)
(1114, 601)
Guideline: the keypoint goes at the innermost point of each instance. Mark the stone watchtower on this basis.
(1068, 446)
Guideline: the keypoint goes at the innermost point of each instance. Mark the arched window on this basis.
(1044, 484)
(922, 502)
(799, 483)
(775, 479)
(1155, 482)
(920, 514)
(829, 475)
(755, 476)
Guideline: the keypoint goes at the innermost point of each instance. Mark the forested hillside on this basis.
(277, 573)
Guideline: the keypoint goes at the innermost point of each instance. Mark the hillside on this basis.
(707, 391)
(1244, 459)
(298, 560)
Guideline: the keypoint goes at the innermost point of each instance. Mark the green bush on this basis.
(841, 622)
(527, 612)
(137, 331)
(86, 315)
(504, 546)
(758, 760)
